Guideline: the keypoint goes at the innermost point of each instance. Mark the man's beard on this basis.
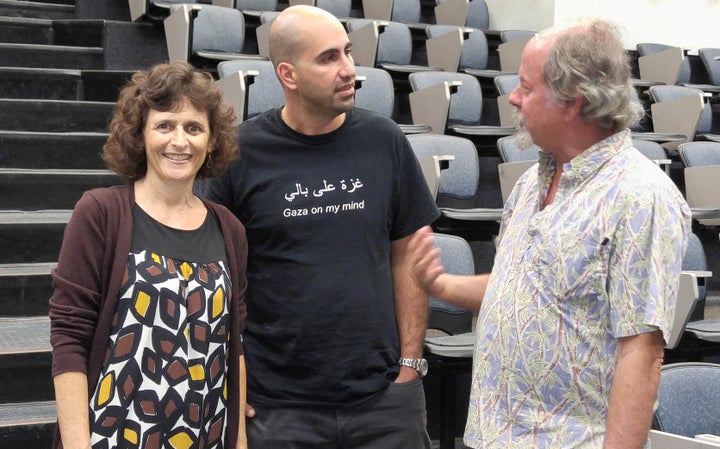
(522, 136)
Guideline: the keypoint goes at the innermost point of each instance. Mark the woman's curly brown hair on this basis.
(163, 88)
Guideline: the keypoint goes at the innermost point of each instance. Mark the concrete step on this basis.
(25, 357)
(80, 33)
(26, 30)
(27, 425)
(31, 236)
(54, 115)
(37, 10)
(27, 189)
(25, 288)
(56, 151)
(35, 83)
(104, 85)
(24, 336)
(51, 56)
(62, 84)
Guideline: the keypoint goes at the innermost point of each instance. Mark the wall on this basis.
(689, 23)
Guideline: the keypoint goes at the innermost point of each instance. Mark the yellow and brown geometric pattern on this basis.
(163, 379)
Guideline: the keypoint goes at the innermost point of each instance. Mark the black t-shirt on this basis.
(320, 214)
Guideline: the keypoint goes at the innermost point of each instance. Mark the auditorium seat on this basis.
(204, 35)
(153, 10)
(452, 102)
(469, 13)
(384, 44)
(469, 189)
(680, 110)
(449, 350)
(250, 86)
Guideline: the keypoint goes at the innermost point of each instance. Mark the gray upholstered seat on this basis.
(468, 194)
(711, 60)
(206, 34)
(648, 48)
(339, 8)
(653, 151)
(511, 152)
(255, 5)
(453, 102)
(153, 10)
(506, 83)
(515, 162)
(456, 258)
(450, 355)
(689, 399)
(264, 90)
(701, 173)
(472, 54)
(392, 49)
(699, 153)
(376, 92)
(704, 124)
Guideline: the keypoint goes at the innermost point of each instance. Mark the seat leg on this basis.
(447, 412)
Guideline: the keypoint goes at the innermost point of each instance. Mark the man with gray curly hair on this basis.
(573, 318)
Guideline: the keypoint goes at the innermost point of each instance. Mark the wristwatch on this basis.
(420, 365)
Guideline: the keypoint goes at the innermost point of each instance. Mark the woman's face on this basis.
(176, 143)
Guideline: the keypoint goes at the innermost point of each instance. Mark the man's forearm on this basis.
(634, 389)
(411, 303)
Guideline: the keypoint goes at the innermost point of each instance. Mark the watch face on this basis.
(423, 368)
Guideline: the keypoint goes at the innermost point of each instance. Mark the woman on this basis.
(148, 306)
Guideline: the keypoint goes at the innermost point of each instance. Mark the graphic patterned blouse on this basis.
(601, 262)
(163, 381)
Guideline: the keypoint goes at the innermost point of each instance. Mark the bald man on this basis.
(329, 195)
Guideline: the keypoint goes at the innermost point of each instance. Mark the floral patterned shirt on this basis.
(602, 261)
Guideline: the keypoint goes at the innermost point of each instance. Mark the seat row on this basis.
(472, 13)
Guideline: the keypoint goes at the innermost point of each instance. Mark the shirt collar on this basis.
(589, 161)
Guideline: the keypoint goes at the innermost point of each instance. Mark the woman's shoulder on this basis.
(106, 197)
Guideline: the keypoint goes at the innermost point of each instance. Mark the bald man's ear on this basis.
(286, 75)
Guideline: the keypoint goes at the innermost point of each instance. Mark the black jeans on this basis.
(394, 418)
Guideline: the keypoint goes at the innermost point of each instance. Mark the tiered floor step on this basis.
(51, 56)
(25, 288)
(27, 414)
(25, 30)
(47, 150)
(49, 84)
(61, 84)
(25, 189)
(49, 10)
(54, 115)
(25, 359)
(31, 236)
(29, 425)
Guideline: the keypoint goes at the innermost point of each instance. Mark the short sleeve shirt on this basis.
(602, 261)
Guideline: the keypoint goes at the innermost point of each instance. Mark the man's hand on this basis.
(406, 374)
(425, 262)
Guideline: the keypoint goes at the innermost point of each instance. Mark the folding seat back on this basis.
(711, 60)
(678, 66)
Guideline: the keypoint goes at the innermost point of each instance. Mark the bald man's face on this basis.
(324, 69)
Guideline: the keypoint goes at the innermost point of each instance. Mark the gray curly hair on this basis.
(587, 59)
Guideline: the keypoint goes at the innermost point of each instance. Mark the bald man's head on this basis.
(292, 30)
